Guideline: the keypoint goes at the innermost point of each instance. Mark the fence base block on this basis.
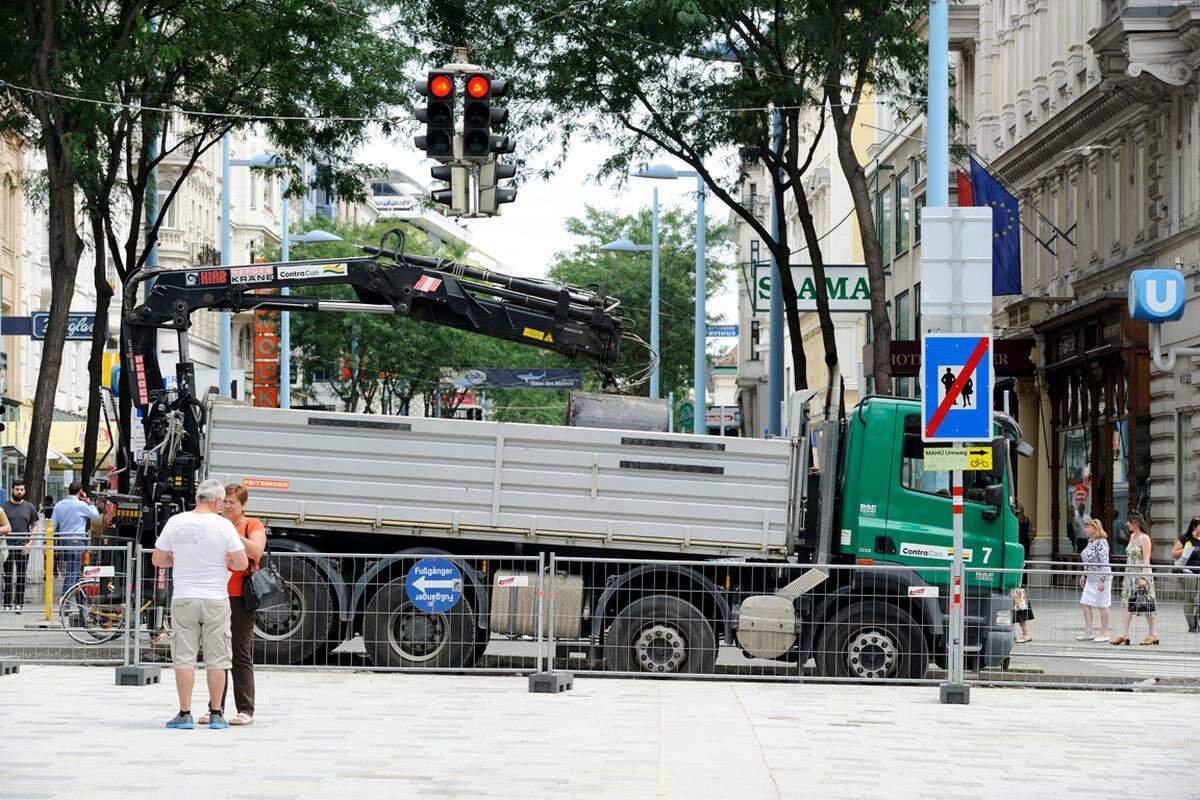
(144, 675)
(9, 668)
(958, 694)
(550, 682)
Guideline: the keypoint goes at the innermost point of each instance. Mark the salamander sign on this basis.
(846, 283)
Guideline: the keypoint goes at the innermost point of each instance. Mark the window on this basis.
(918, 205)
(168, 213)
(755, 335)
(268, 195)
(254, 190)
(913, 475)
(753, 197)
(883, 222)
(902, 316)
(917, 332)
(903, 212)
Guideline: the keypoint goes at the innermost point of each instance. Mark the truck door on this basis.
(919, 511)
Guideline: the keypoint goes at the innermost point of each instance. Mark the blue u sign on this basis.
(1156, 295)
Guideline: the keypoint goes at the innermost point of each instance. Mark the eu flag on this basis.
(1006, 230)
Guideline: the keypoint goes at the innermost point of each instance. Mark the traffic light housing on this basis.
(491, 195)
(479, 116)
(454, 194)
(438, 116)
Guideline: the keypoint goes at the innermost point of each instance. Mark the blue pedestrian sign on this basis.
(1156, 295)
(434, 585)
(956, 382)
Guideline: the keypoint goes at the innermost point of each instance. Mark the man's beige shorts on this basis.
(201, 623)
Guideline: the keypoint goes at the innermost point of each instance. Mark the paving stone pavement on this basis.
(68, 732)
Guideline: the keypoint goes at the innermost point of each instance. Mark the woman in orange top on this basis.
(254, 537)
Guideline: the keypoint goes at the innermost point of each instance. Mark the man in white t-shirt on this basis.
(200, 545)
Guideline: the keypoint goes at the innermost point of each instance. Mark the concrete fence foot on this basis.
(11, 668)
(143, 675)
(955, 694)
(550, 682)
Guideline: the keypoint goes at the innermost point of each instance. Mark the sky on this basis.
(533, 227)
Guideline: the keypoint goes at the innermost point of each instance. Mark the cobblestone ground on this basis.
(70, 733)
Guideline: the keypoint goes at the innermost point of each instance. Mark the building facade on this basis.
(1088, 112)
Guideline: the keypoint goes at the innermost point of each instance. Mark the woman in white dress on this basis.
(1095, 582)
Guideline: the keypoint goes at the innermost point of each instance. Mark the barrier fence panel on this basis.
(419, 611)
(1116, 654)
(66, 603)
(737, 619)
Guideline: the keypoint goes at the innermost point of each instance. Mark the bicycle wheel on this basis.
(86, 620)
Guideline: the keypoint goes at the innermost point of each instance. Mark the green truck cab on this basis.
(889, 511)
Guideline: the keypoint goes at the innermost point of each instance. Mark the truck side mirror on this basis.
(993, 496)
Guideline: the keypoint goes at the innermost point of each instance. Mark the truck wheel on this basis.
(872, 641)
(661, 634)
(291, 634)
(398, 634)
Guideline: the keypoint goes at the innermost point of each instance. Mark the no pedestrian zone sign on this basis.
(956, 381)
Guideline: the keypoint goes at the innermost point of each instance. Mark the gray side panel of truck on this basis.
(488, 481)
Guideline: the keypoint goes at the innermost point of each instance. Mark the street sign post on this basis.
(434, 585)
(1157, 296)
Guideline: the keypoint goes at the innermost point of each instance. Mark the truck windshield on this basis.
(914, 476)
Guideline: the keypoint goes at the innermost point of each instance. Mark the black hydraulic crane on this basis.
(569, 320)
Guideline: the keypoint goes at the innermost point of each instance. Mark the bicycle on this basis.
(92, 616)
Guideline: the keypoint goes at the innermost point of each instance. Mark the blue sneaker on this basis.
(216, 721)
(182, 722)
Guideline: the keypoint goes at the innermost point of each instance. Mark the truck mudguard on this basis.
(602, 612)
(478, 587)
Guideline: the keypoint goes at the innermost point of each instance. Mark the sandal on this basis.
(1022, 639)
(242, 719)
(1120, 640)
(1149, 640)
(204, 719)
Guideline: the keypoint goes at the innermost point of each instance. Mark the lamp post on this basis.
(285, 321)
(626, 246)
(665, 172)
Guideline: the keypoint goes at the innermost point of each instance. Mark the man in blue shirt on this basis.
(71, 517)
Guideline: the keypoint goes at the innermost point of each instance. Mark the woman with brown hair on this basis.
(1097, 591)
(1137, 590)
(254, 536)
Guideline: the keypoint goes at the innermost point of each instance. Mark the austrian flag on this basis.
(427, 284)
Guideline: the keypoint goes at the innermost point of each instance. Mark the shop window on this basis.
(903, 212)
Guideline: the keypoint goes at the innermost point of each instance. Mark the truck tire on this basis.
(661, 634)
(872, 641)
(293, 634)
(397, 634)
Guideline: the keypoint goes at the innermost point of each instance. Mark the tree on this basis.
(308, 73)
(626, 276)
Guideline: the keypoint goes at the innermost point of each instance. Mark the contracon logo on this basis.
(302, 271)
(1156, 295)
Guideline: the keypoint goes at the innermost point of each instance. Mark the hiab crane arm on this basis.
(568, 320)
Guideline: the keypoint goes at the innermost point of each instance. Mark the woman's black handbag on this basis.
(1142, 602)
(263, 588)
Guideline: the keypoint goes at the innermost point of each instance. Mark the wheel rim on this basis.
(872, 654)
(282, 622)
(660, 648)
(82, 619)
(416, 636)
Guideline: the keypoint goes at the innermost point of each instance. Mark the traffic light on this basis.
(438, 116)
(478, 117)
(491, 196)
(455, 194)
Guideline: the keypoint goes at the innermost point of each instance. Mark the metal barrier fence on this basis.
(66, 603)
(736, 619)
(417, 612)
(1120, 651)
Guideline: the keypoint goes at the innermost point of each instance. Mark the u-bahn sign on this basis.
(847, 285)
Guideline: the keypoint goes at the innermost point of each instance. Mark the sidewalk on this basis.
(70, 733)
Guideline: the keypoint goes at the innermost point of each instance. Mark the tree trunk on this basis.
(65, 249)
(828, 337)
(787, 288)
(881, 326)
(96, 378)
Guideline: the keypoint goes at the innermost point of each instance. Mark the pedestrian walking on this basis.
(1186, 553)
(71, 518)
(1095, 582)
(23, 517)
(1137, 590)
(254, 537)
(201, 546)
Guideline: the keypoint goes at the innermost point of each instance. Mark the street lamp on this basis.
(285, 320)
(669, 173)
(626, 246)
